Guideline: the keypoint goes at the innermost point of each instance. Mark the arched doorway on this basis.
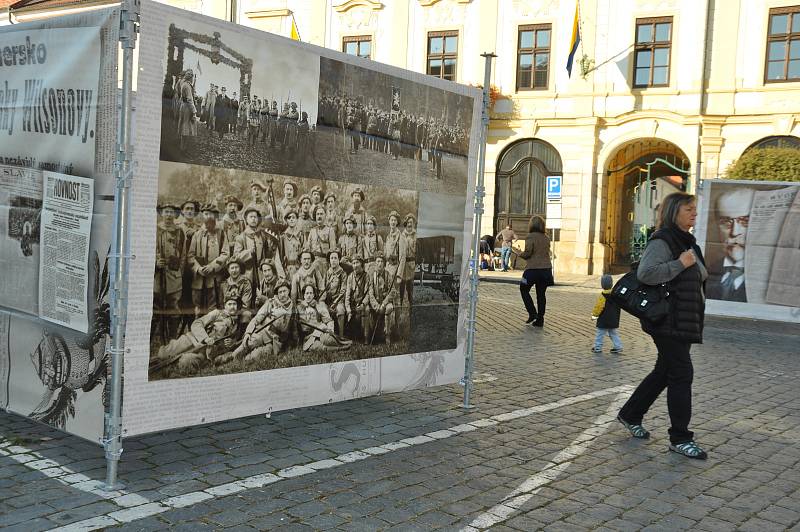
(520, 183)
(775, 141)
(638, 176)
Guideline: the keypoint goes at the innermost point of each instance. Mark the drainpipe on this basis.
(701, 109)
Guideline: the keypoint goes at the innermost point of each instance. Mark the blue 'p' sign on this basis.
(554, 187)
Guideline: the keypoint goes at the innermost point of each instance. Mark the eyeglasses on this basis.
(727, 221)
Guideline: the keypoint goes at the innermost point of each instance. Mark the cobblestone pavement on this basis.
(540, 451)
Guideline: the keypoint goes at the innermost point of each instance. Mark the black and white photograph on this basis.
(417, 135)
(262, 271)
(437, 285)
(232, 101)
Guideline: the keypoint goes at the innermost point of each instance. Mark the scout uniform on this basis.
(302, 277)
(286, 205)
(334, 292)
(349, 245)
(240, 286)
(208, 251)
(359, 215)
(168, 285)
(232, 226)
(250, 248)
(203, 341)
(395, 250)
(410, 237)
(272, 327)
(316, 327)
(356, 299)
(292, 241)
(382, 293)
(321, 240)
(371, 245)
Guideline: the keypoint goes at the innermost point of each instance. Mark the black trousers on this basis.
(541, 279)
(673, 371)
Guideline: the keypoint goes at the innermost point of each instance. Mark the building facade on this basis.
(663, 93)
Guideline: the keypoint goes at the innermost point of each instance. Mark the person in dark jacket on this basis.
(538, 270)
(606, 312)
(672, 257)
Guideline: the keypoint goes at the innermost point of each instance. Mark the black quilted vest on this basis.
(687, 303)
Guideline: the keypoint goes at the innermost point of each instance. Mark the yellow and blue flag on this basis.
(576, 39)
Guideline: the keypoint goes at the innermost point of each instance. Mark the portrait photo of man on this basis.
(729, 218)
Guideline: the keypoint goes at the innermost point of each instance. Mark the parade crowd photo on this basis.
(297, 272)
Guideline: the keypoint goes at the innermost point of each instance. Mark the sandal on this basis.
(637, 431)
(689, 449)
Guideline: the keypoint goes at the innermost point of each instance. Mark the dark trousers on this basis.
(541, 279)
(674, 372)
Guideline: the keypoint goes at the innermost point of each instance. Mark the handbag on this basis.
(646, 302)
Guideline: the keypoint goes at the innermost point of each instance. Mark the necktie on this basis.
(728, 284)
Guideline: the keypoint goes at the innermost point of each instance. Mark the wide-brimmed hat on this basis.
(252, 209)
(209, 207)
(230, 198)
(193, 202)
(258, 183)
(360, 192)
(168, 205)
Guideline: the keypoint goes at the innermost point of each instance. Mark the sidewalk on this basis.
(562, 278)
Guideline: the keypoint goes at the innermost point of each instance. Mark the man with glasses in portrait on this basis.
(726, 279)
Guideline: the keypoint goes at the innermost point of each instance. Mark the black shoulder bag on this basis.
(646, 302)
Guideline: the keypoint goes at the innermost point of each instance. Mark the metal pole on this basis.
(480, 192)
(129, 18)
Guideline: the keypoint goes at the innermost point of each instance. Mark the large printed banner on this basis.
(58, 82)
(300, 225)
(751, 236)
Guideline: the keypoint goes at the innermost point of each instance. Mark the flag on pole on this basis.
(576, 38)
(199, 71)
(295, 34)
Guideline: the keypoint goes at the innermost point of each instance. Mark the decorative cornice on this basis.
(268, 13)
(429, 3)
(350, 4)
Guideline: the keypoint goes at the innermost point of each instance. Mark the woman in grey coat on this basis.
(538, 270)
(672, 257)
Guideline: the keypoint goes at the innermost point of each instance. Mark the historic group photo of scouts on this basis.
(231, 102)
(409, 128)
(266, 271)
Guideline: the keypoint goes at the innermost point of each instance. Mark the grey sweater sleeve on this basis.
(657, 265)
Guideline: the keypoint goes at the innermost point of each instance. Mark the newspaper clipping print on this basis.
(63, 269)
(752, 243)
(58, 81)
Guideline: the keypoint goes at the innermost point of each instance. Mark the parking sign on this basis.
(554, 188)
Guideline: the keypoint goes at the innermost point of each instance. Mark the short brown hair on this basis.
(536, 224)
(669, 208)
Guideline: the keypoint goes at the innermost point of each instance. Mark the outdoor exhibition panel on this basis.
(251, 149)
(59, 118)
(750, 234)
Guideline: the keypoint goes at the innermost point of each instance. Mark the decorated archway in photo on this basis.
(209, 46)
(637, 176)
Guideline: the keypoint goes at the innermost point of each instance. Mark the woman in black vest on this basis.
(672, 257)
